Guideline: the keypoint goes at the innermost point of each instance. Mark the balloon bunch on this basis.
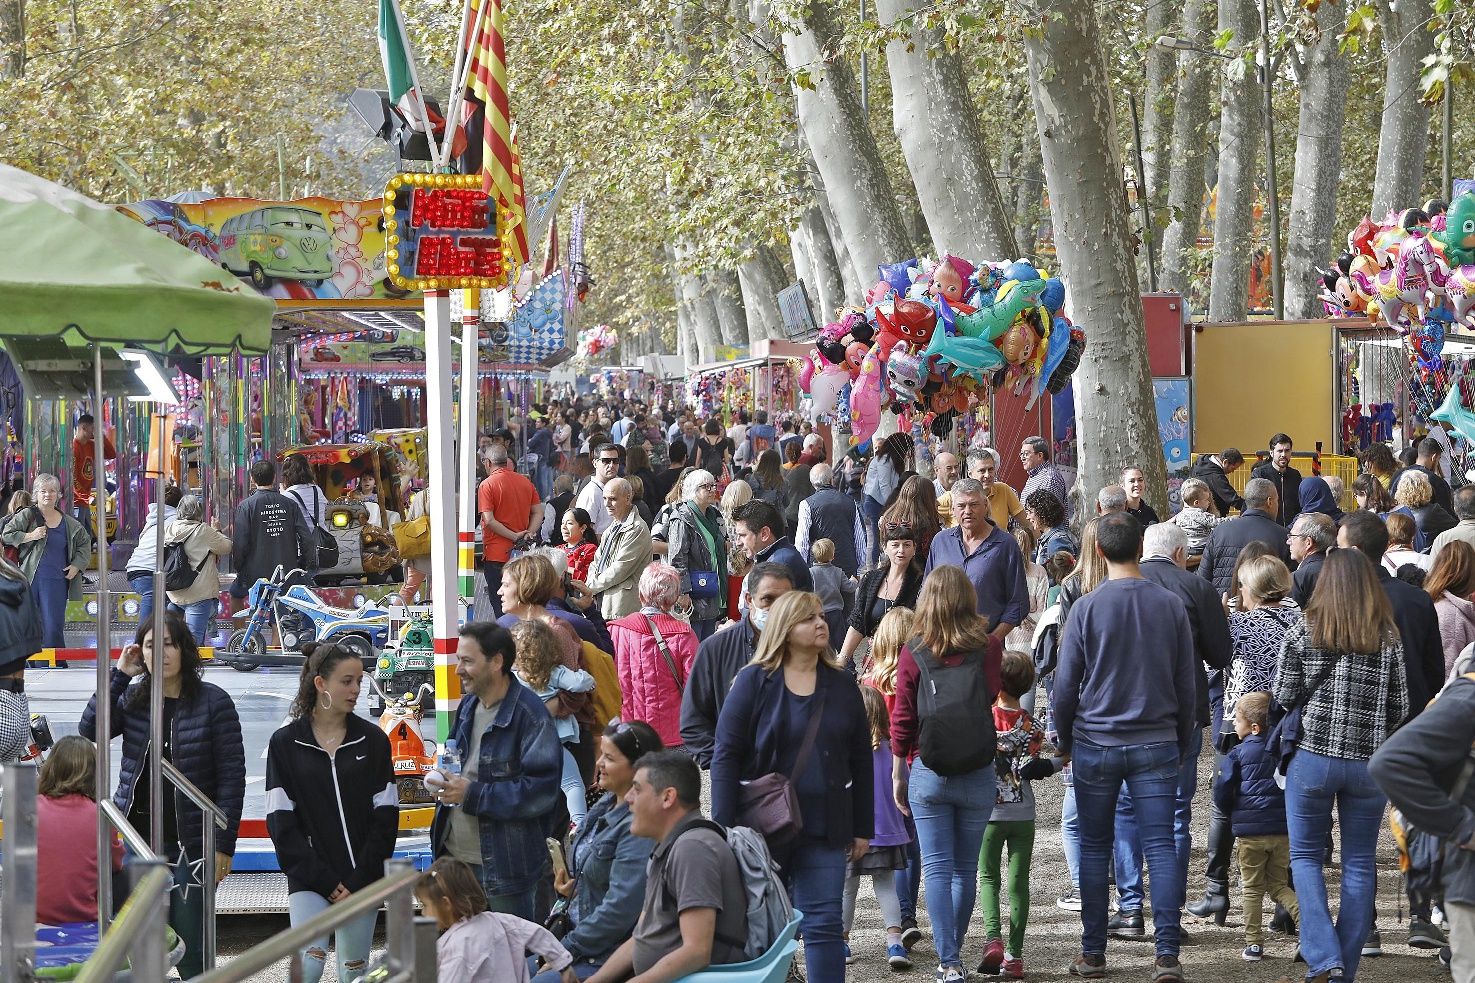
(1414, 273)
(600, 338)
(933, 337)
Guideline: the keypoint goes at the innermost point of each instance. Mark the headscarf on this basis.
(1316, 496)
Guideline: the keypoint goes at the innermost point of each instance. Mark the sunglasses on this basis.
(609, 460)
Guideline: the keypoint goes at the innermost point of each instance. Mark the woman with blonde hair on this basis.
(1414, 492)
(734, 496)
(948, 743)
(1343, 667)
(794, 716)
(1262, 615)
(894, 631)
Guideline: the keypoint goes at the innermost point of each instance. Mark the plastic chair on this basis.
(771, 967)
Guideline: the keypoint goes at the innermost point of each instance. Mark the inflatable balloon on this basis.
(865, 399)
(970, 356)
(824, 390)
(1458, 237)
(855, 354)
(905, 375)
(1021, 270)
(992, 320)
(897, 275)
(1053, 296)
(949, 281)
(910, 321)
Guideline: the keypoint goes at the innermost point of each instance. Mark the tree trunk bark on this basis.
(849, 165)
(1241, 132)
(1157, 115)
(1029, 199)
(701, 309)
(1116, 418)
(853, 279)
(1403, 135)
(762, 277)
(727, 300)
(1318, 162)
(12, 39)
(942, 139)
(826, 288)
(1190, 137)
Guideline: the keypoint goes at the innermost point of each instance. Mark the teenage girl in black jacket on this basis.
(331, 804)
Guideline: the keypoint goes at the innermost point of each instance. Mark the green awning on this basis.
(77, 271)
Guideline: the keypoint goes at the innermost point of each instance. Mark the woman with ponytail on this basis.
(331, 804)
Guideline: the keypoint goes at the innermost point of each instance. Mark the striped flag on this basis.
(487, 86)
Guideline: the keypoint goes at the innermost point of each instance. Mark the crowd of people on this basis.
(865, 670)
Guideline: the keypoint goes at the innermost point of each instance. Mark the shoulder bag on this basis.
(327, 556)
(704, 583)
(666, 654)
(1286, 733)
(769, 803)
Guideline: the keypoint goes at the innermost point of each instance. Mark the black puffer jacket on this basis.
(1211, 473)
(206, 746)
(20, 625)
(1228, 538)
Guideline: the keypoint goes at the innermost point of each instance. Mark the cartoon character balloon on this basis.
(865, 399)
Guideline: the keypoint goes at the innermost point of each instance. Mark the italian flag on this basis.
(399, 67)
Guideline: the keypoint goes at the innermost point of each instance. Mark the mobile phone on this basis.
(555, 851)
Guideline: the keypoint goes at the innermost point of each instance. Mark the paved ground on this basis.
(1053, 937)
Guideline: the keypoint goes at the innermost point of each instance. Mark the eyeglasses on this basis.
(609, 460)
(708, 486)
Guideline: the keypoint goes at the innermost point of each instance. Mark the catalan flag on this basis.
(487, 89)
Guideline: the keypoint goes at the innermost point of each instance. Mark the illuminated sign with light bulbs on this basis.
(441, 232)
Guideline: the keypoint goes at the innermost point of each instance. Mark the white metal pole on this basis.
(441, 505)
(103, 719)
(470, 361)
(455, 97)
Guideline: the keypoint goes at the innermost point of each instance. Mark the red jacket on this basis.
(649, 691)
(904, 723)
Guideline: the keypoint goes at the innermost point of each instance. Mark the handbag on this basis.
(666, 654)
(1286, 733)
(327, 543)
(412, 536)
(559, 922)
(703, 584)
(768, 803)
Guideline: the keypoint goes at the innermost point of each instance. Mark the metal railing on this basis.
(214, 817)
(137, 934)
(18, 888)
(410, 940)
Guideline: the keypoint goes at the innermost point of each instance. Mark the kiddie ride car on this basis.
(282, 602)
(412, 754)
(405, 665)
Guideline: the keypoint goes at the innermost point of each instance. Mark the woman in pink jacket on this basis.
(653, 652)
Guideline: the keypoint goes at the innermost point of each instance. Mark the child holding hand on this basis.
(1012, 823)
(1246, 792)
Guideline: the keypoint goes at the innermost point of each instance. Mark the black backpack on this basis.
(954, 712)
(178, 574)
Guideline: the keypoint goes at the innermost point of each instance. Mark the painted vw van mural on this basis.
(277, 242)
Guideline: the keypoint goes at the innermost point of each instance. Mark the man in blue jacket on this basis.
(1125, 707)
(494, 816)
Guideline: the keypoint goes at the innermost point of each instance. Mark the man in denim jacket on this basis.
(509, 784)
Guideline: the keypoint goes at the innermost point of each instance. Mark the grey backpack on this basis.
(769, 909)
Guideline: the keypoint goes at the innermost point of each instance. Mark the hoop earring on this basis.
(327, 702)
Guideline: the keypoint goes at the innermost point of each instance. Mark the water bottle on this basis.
(448, 762)
(447, 766)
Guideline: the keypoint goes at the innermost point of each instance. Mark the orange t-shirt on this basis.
(84, 473)
(509, 497)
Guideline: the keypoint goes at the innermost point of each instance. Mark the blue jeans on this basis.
(523, 904)
(815, 875)
(1127, 849)
(951, 814)
(704, 628)
(1150, 772)
(1070, 831)
(1314, 783)
(351, 940)
(143, 586)
(197, 617)
(909, 880)
(872, 510)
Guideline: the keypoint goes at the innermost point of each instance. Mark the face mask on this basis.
(758, 616)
